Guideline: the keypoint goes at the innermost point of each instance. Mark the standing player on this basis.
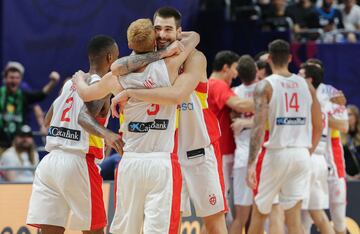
(149, 176)
(198, 127)
(286, 101)
(67, 179)
(318, 198)
(242, 125)
(338, 122)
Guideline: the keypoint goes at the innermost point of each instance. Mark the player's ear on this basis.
(290, 58)
(225, 67)
(178, 32)
(109, 57)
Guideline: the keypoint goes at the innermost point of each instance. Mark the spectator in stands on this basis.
(303, 15)
(329, 18)
(351, 15)
(351, 143)
(275, 10)
(21, 154)
(15, 103)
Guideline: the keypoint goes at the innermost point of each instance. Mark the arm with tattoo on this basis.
(88, 122)
(261, 98)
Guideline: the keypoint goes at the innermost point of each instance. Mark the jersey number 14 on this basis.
(292, 102)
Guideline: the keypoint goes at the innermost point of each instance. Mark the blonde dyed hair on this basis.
(141, 36)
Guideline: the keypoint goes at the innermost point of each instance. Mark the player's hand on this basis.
(251, 176)
(119, 100)
(339, 99)
(174, 48)
(54, 76)
(79, 75)
(237, 126)
(114, 140)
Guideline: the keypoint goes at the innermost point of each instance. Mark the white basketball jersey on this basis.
(65, 133)
(289, 113)
(242, 139)
(148, 127)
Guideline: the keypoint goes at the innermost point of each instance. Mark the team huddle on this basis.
(171, 154)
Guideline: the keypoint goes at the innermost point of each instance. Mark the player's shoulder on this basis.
(197, 55)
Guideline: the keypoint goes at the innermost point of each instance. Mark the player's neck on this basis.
(281, 71)
(217, 76)
(96, 70)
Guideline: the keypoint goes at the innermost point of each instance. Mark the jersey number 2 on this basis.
(66, 110)
(293, 103)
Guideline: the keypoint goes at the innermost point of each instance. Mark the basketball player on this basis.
(286, 100)
(242, 127)
(318, 198)
(67, 179)
(68, 141)
(199, 153)
(149, 175)
(338, 122)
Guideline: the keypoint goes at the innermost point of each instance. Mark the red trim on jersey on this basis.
(338, 156)
(212, 125)
(218, 156)
(101, 120)
(260, 162)
(95, 152)
(176, 141)
(201, 87)
(176, 195)
(115, 182)
(98, 214)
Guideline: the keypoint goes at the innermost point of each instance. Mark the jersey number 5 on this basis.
(66, 110)
(153, 109)
(293, 103)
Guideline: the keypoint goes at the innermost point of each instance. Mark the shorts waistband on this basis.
(165, 155)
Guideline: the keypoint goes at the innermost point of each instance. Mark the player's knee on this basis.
(215, 224)
(50, 229)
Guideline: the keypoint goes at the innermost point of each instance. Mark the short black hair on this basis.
(247, 69)
(169, 12)
(315, 61)
(314, 72)
(264, 65)
(224, 57)
(279, 51)
(100, 45)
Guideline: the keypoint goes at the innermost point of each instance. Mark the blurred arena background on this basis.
(52, 35)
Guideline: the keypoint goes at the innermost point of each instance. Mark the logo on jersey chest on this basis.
(142, 127)
(290, 121)
(186, 106)
(149, 83)
(65, 133)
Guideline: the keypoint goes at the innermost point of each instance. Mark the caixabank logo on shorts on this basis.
(66, 133)
(141, 127)
(290, 121)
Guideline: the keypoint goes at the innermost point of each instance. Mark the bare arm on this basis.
(48, 117)
(195, 71)
(316, 120)
(128, 64)
(240, 105)
(341, 125)
(339, 99)
(88, 122)
(262, 95)
(54, 79)
(107, 85)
